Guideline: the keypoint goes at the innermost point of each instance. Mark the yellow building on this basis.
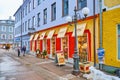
(111, 34)
(111, 22)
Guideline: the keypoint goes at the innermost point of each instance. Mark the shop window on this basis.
(44, 44)
(53, 46)
(83, 47)
(38, 44)
(65, 46)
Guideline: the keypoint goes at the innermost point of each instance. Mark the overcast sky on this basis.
(8, 8)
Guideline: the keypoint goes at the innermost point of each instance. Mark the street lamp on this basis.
(74, 19)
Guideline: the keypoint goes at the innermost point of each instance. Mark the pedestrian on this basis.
(24, 50)
(18, 51)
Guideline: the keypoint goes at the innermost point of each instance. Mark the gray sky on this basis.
(8, 8)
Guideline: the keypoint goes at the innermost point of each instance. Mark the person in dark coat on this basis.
(24, 50)
(18, 52)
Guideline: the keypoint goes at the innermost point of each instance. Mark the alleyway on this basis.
(31, 68)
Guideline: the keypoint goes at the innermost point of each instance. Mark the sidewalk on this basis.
(63, 72)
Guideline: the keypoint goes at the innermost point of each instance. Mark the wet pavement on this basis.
(31, 68)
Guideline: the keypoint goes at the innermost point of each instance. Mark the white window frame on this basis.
(10, 36)
(4, 28)
(2, 36)
(10, 29)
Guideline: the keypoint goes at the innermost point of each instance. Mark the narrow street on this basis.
(31, 68)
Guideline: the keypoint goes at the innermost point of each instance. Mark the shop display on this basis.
(82, 45)
(65, 47)
(53, 47)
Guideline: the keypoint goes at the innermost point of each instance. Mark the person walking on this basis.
(18, 51)
(24, 50)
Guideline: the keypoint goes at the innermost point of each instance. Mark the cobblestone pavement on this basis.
(31, 68)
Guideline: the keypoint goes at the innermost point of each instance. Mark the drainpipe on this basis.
(100, 4)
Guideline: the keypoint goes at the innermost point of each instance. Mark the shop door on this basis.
(53, 42)
(83, 48)
(65, 46)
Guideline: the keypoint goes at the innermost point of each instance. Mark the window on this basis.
(119, 42)
(81, 4)
(25, 25)
(10, 36)
(39, 1)
(38, 19)
(29, 23)
(29, 7)
(33, 4)
(3, 28)
(45, 16)
(53, 6)
(23, 12)
(65, 7)
(33, 21)
(10, 29)
(26, 10)
(3, 36)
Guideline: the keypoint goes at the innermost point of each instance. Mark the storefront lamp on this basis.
(74, 19)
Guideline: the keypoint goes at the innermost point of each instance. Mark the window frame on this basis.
(63, 7)
(80, 2)
(10, 29)
(10, 36)
(2, 36)
(3, 28)
(118, 35)
(38, 19)
(33, 22)
(38, 2)
(53, 9)
(45, 16)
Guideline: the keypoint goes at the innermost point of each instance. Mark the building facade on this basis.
(6, 32)
(52, 32)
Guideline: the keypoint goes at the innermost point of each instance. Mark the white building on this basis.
(46, 14)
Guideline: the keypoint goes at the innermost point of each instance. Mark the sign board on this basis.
(101, 52)
(61, 58)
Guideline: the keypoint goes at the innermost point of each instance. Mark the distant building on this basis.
(6, 32)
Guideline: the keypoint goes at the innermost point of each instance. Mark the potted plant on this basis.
(44, 53)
